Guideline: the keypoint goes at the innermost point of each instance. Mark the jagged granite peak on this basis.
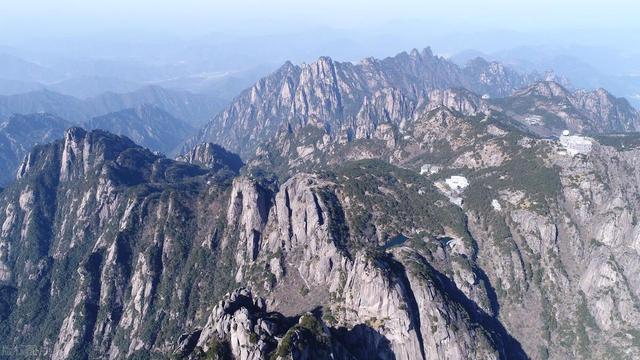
(461, 100)
(18, 133)
(130, 254)
(541, 197)
(98, 222)
(81, 153)
(548, 108)
(545, 89)
(333, 94)
(301, 226)
(617, 114)
(147, 125)
(212, 156)
(241, 327)
(384, 217)
(447, 120)
(494, 78)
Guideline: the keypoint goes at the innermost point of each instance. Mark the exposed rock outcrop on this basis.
(547, 108)
(342, 97)
(213, 157)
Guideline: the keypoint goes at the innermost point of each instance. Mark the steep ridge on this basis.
(212, 156)
(19, 133)
(407, 222)
(495, 79)
(448, 121)
(333, 94)
(134, 225)
(445, 259)
(142, 231)
(146, 125)
(530, 203)
(547, 108)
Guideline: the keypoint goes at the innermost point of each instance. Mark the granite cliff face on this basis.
(19, 133)
(212, 156)
(352, 100)
(385, 213)
(337, 95)
(99, 237)
(138, 228)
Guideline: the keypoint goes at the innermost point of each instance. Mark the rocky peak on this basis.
(493, 78)
(609, 111)
(581, 111)
(147, 125)
(481, 63)
(97, 154)
(324, 65)
(287, 70)
(336, 95)
(600, 100)
(19, 133)
(212, 156)
(83, 151)
(461, 100)
(546, 89)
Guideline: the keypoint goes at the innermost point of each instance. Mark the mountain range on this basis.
(335, 93)
(344, 98)
(148, 125)
(192, 108)
(404, 208)
(589, 67)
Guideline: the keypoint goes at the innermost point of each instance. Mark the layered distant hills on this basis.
(192, 108)
(148, 125)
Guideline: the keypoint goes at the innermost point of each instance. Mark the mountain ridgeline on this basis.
(146, 125)
(339, 95)
(194, 109)
(404, 208)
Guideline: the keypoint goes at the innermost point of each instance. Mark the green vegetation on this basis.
(309, 331)
(327, 317)
(218, 350)
(377, 189)
(525, 171)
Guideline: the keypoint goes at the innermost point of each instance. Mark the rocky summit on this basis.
(336, 94)
(404, 208)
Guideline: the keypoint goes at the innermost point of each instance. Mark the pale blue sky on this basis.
(202, 16)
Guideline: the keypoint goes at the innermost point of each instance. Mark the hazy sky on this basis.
(59, 17)
(124, 38)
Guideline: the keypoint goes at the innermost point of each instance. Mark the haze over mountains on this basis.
(584, 67)
(155, 117)
(192, 108)
(356, 92)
